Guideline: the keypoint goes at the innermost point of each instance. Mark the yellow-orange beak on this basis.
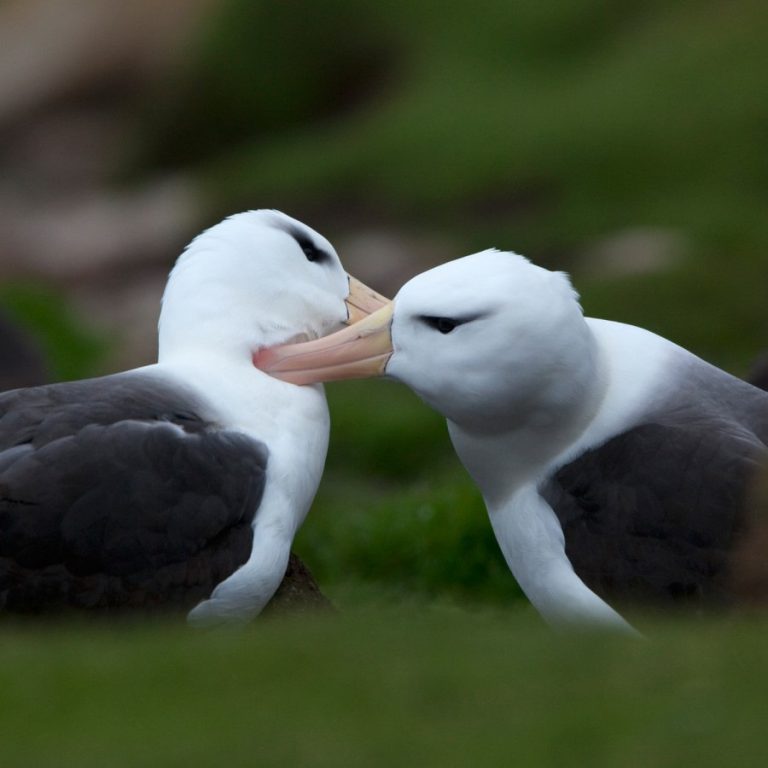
(356, 352)
(362, 300)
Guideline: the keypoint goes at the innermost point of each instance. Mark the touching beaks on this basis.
(362, 301)
(359, 351)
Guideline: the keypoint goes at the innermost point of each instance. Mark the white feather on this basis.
(239, 286)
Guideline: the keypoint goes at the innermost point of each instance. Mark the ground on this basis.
(434, 687)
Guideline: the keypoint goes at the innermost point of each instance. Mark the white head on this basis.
(491, 341)
(255, 279)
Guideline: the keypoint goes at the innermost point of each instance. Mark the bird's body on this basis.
(614, 464)
(652, 508)
(140, 490)
(180, 484)
(649, 496)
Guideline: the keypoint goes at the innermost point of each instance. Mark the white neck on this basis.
(532, 541)
(203, 322)
(506, 456)
(508, 466)
(293, 423)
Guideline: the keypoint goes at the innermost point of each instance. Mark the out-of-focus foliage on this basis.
(715, 305)
(543, 122)
(73, 351)
(260, 69)
(396, 509)
(412, 687)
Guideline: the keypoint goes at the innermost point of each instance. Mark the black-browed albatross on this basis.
(180, 484)
(614, 464)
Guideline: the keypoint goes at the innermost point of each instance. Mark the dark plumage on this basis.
(634, 529)
(120, 492)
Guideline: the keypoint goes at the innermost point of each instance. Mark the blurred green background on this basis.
(624, 142)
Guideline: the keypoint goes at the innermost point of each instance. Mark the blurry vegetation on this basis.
(262, 68)
(582, 116)
(396, 508)
(716, 305)
(72, 350)
(412, 687)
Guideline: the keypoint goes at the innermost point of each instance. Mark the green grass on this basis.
(73, 351)
(396, 515)
(430, 688)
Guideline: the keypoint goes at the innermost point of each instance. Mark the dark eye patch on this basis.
(311, 251)
(442, 324)
(446, 324)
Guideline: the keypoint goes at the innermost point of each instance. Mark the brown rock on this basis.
(749, 558)
(298, 593)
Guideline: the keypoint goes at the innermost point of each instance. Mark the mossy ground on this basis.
(432, 687)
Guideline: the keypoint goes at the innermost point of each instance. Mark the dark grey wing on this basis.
(652, 514)
(118, 493)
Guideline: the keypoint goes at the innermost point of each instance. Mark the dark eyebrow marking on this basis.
(312, 251)
(432, 320)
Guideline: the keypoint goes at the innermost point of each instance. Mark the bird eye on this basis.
(308, 248)
(442, 324)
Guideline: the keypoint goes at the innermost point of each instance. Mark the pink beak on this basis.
(356, 352)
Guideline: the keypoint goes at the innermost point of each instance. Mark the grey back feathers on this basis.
(120, 492)
(653, 514)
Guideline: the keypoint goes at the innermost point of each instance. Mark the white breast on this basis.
(293, 423)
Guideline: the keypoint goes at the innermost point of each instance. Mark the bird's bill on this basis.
(356, 352)
(362, 301)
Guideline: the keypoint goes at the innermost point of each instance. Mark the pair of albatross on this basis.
(615, 465)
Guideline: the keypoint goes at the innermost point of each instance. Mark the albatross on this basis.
(180, 484)
(614, 464)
